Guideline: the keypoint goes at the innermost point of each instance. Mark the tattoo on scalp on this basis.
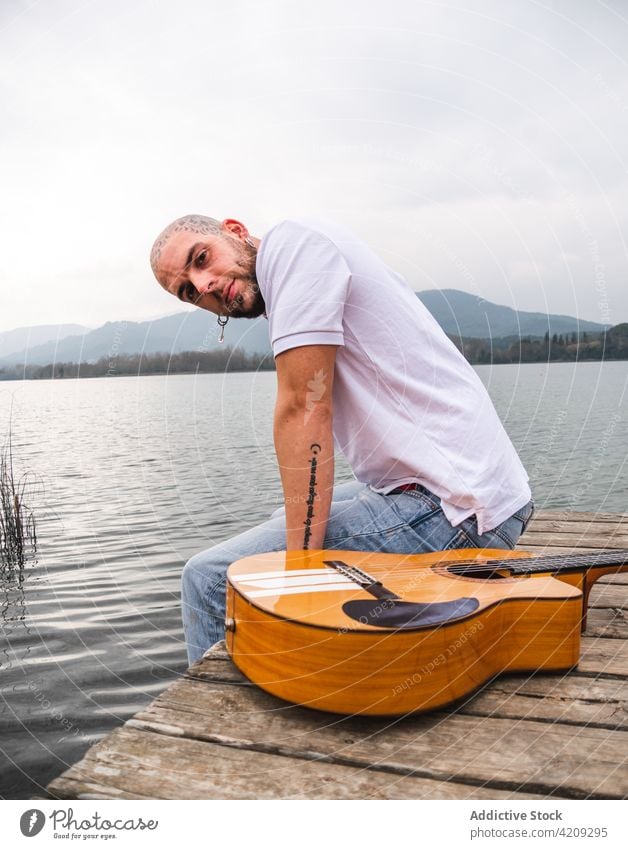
(314, 448)
(188, 224)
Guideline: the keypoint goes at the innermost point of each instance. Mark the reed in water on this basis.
(18, 536)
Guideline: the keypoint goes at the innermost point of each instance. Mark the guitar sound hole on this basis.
(479, 572)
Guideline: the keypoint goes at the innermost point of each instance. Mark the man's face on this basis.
(213, 271)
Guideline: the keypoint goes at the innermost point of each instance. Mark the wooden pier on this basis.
(213, 735)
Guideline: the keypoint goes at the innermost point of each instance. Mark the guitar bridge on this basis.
(367, 582)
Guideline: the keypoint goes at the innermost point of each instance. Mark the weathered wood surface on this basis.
(212, 734)
(189, 768)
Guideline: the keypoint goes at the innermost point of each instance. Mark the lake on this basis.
(134, 475)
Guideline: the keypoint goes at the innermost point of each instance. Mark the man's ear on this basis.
(236, 228)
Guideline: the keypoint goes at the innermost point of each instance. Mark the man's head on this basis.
(209, 263)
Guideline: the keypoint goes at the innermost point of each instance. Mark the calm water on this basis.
(137, 474)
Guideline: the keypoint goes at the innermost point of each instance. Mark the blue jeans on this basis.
(360, 519)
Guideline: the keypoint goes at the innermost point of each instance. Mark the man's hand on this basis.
(304, 441)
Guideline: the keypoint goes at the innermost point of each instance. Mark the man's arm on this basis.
(304, 441)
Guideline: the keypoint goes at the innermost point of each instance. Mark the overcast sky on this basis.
(476, 145)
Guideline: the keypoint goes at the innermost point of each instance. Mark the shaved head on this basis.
(210, 264)
(187, 224)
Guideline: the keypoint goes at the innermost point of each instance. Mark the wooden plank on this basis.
(526, 756)
(578, 529)
(70, 786)
(217, 666)
(602, 656)
(609, 595)
(556, 514)
(575, 541)
(575, 699)
(141, 764)
(617, 578)
(607, 622)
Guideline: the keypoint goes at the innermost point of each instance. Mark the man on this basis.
(360, 364)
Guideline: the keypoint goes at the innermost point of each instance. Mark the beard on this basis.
(245, 267)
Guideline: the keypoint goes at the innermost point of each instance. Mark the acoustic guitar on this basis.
(389, 634)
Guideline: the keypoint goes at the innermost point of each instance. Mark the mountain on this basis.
(21, 338)
(184, 331)
(458, 313)
(469, 316)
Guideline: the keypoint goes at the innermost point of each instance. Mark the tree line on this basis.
(185, 362)
(612, 344)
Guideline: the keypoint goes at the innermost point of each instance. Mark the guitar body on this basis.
(419, 637)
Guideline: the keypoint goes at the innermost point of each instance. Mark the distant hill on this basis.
(184, 331)
(464, 315)
(459, 314)
(12, 341)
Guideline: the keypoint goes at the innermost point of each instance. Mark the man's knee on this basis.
(280, 511)
(202, 572)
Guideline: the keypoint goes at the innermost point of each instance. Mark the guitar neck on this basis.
(616, 561)
(589, 566)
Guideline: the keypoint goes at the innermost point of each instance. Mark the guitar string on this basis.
(544, 563)
(529, 565)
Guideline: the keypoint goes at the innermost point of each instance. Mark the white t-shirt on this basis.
(408, 407)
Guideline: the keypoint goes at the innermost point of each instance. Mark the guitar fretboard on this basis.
(549, 563)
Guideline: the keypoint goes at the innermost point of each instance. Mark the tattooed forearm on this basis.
(314, 448)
